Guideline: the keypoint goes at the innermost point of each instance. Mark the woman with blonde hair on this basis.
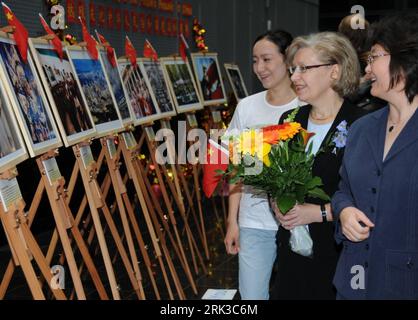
(324, 69)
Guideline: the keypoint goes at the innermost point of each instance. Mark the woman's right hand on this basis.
(280, 217)
(355, 224)
(232, 238)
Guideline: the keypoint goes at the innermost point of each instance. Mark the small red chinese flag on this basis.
(217, 159)
(109, 49)
(89, 40)
(20, 33)
(183, 48)
(149, 51)
(56, 42)
(130, 51)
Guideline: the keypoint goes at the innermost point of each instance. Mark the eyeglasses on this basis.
(372, 57)
(303, 69)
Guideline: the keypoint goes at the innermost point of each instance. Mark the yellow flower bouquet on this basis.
(274, 160)
(277, 161)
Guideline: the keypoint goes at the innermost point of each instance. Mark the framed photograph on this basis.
(209, 79)
(153, 72)
(27, 98)
(95, 87)
(181, 83)
(139, 91)
(12, 147)
(236, 81)
(118, 88)
(65, 98)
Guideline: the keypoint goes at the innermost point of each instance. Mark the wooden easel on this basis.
(64, 221)
(134, 224)
(24, 246)
(177, 242)
(106, 184)
(131, 151)
(173, 183)
(124, 204)
(191, 125)
(87, 168)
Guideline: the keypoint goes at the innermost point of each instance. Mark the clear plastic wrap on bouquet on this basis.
(300, 241)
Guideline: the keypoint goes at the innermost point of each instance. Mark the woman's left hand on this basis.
(300, 214)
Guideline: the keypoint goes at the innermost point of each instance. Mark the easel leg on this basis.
(189, 197)
(192, 242)
(119, 189)
(96, 201)
(31, 216)
(92, 200)
(199, 206)
(157, 226)
(218, 218)
(177, 245)
(141, 244)
(22, 243)
(129, 161)
(12, 231)
(64, 220)
(177, 196)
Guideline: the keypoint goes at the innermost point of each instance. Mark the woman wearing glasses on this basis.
(252, 229)
(376, 207)
(324, 68)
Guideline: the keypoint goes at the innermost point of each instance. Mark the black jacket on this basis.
(301, 277)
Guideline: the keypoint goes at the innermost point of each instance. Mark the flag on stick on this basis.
(109, 49)
(56, 42)
(20, 34)
(149, 51)
(130, 51)
(89, 40)
(183, 48)
(217, 159)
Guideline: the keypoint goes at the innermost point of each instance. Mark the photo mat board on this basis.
(65, 97)
(12, 146)
(236, 81)
(93, 81)
(209, 78)
(141, 96)
(182, 86)
(24, 88)
(118, 88)
(153, 72)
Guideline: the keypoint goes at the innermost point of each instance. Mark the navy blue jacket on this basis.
(387, 192)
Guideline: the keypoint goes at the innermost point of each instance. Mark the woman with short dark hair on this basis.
(376, 207)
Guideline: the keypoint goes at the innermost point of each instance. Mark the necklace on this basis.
(320, 119)
(392, 126)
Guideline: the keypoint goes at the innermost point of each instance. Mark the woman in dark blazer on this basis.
(376, 207)
(324, 69)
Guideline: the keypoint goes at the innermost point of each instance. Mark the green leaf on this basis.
(234, 179)
(285, 203)
(300, 193)
(319, 193)
(314, 182)
(292, 115)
